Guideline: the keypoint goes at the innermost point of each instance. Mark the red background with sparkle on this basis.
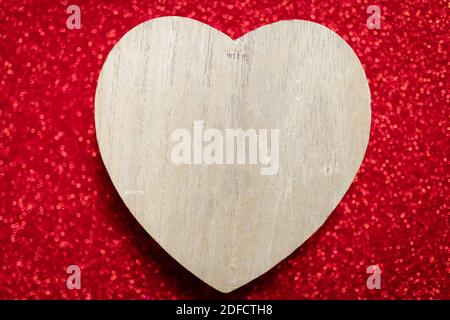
(58, 206)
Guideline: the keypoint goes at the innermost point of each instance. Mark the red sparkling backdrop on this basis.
(58, 206)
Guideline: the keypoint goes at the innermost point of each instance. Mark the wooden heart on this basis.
(190, 124)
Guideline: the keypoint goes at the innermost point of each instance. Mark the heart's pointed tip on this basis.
(226, 288)
(224, 284)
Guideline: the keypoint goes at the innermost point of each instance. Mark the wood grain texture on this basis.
(228, 224)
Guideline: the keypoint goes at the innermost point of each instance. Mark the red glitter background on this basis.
(58, 206)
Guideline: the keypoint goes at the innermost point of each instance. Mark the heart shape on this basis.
(226, 221)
